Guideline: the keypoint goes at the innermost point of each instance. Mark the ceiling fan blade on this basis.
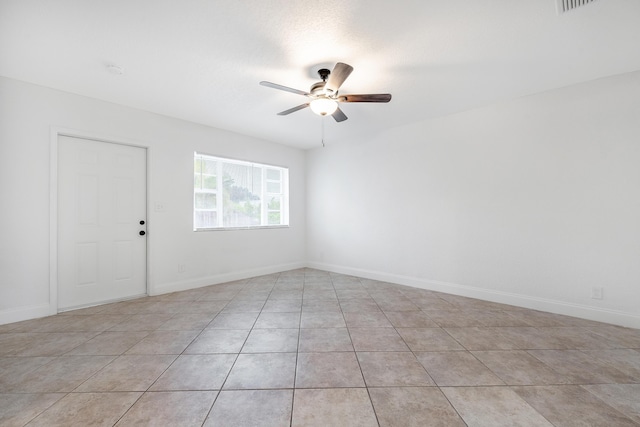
(293, 110)
(372, 97)
(339, 74)
(339, 115)
(285, 88)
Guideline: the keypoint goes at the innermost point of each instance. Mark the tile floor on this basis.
(309, 348)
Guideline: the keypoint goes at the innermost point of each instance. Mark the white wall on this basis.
(27, 115)
(531, 202)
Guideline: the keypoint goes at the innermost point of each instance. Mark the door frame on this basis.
(55, 133)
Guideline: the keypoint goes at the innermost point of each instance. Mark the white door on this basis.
(102, 198)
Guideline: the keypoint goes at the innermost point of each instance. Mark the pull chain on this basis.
(322, 126)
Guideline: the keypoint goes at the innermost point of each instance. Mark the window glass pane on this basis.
(257, 180)
(206, 219)
(274, 203)
(233, 193)
(205, 201)
(274, 218)
(242, 214)
(273, 174)
(209, 167)
(209, 182)
(273, 187)
(241, 202)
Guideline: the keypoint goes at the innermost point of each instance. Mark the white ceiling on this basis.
(201, 60)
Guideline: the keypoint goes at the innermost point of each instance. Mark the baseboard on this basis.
(615, 317)
(24, 313)
(200, 282)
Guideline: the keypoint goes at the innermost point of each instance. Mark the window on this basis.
(236, 194)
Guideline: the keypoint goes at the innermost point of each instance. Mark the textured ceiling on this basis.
(201, 60)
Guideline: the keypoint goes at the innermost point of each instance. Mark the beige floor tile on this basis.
(262, 371)
(371, 319)
(62, 374)
(623, 337)
(271, 341)
(455, 318)
(316, 294)
(324, 339)
(94, 322)
(12, 344)
(319, 319)
(428, 339)
(393, 369)
(16, 410)
(481, 338)
(377, 339)
(517, 367)
(45, 344)
(187, 322)
(218, 341)
(85, 311)
(87, 409)
(305, 327)
(234, 321)
(238, 408)
(285, 294)
(128, 373)
(578, 338)
(327, 370)
(278, 320)
(109, 343)
(359, 305)
(396, 304)
(457, 368)
(572, 406)
(243, 306)
(196, 372)
(433, 303)
(413, 407)
(176, 408)
(205, 307)
(344, 294)
(142, 322)
(625, 360)
(320, 305)
(295, 285)
(580, 368)
(55, 323)
(527, 338)
(282, 306)
(623, 397)
(493, 407)
(164, 342)
(14, 369)
(333, 407)
(410, 319)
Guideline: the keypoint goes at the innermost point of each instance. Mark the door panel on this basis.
(101, 201)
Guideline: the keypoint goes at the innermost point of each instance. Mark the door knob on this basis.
(142, 233)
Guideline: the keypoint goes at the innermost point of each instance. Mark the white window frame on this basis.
(265, 196)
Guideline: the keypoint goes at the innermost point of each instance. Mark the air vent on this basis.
(567, 5)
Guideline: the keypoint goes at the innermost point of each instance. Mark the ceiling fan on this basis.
(324, 97)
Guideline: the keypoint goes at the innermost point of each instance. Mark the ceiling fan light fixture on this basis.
(323, 106)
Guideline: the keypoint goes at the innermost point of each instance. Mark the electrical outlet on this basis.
(597, 292)
(182, 268)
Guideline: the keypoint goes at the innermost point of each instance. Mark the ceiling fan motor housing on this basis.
(317, 88)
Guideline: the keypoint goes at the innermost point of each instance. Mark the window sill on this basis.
(261, 227)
